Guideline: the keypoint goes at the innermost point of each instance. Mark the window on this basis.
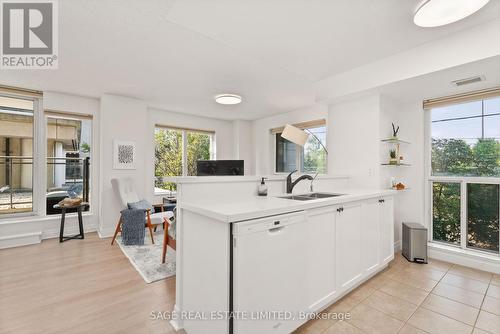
(465, 174)
(16, 154)
(311, 158)
(177, 152)
(69, 140)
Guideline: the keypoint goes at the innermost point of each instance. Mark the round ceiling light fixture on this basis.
(436, 13)
(228, 99)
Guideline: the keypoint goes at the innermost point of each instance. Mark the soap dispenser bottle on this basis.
(262, 190)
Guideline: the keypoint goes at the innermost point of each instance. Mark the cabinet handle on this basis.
(340, 209)
(381, 200)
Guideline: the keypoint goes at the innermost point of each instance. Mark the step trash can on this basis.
(415, 242)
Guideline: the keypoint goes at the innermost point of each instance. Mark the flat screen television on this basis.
(220, 167)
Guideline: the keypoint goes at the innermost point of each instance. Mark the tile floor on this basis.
(412, 298)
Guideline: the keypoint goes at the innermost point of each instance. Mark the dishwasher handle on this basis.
(275, 230)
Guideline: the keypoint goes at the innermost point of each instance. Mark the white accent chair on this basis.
(124, 188)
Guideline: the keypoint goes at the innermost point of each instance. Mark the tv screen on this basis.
(220, 167)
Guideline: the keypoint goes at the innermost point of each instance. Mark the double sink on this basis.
(310, 196)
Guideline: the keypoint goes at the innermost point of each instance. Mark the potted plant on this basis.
(394, 159)
(395, 131)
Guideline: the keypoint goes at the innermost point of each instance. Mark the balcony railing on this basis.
(16, 181)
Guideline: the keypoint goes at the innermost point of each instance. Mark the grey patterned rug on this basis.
(146, 259)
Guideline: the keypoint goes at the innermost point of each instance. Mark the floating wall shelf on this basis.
(395, 165)
(394, 141)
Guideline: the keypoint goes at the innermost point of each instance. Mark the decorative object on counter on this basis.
(395, 131)
(394, 159)
(123, 154)
(262, 189)
(75, 190)
(145, 258)
(399, 186)
(392, 182)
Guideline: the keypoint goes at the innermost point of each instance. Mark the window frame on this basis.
(429, 180)
(299, 149)
(184, 132)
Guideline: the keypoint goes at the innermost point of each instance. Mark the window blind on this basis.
(304, 125)
(461, 98)
(168, 127)
(20, 92)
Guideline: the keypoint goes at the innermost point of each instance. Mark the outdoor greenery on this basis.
(314, 157)
(455, 157)
(168, 154)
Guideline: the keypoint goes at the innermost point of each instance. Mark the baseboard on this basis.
(105, 233)
(20, 240)
(464, 258)
(397, 246)
(176, 322)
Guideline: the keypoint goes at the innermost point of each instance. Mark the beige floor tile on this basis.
(494, 291)
(451, 308)
(361, 293)
(403, 291)
(376, 282)
(439, 265)
(491, 305)
(343, 327)
(496, 280)
(425, 272)
(479, 331)
(417, 281)
(471, 273)
(465, 283)
(407, 329)
(315, 326)
(344, 305)
(433, 322)
(390, 305)
(458, 294)
(373, 321)
(488, 322)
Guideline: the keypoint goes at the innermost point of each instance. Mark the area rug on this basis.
(146, 259)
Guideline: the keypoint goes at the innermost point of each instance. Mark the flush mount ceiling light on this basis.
(228, 99)
(435, 13)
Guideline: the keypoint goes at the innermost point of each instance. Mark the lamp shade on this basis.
(294, 134)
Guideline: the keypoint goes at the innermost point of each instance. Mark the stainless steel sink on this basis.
(310, 196)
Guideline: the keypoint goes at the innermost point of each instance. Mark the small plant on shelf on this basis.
(394, 159)
(394, 131)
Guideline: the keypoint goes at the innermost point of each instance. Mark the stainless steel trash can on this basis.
(415, 242)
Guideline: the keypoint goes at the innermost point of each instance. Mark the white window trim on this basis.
(463, 181)
(184, 131)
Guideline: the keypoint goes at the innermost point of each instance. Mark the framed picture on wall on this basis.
(123, 154)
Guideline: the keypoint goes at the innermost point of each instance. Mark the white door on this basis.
(269, 265)
(320, 246)
(386, 229)
(370, 236)
(348, 246)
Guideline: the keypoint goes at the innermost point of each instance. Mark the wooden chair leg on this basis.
(151, 234)
(165, 240)
(118, 229)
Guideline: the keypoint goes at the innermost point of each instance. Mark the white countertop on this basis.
(258, 207)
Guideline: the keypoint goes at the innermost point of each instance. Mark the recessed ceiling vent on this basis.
(467, 81)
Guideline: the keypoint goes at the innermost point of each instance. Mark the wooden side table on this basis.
(79, 209)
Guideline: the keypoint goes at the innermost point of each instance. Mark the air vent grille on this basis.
(467, 81)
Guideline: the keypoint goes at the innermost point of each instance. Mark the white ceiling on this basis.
(177, 55)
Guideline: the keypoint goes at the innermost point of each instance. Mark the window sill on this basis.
(34, 217)
(465, 253)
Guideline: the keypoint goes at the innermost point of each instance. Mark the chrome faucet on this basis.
(290, 184)
(314, 178)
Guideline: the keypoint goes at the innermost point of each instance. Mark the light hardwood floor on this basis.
(79, 286)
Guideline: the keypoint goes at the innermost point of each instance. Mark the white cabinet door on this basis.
(386, 229)
(320, 247)
(269, 273)
(348, 246)
(370, 236)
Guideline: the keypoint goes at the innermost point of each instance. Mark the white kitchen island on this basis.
(270, 261)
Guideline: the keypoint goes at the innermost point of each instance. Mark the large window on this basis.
(311, 158)
(69, 140)
(16, 154)
(177, 152)
(465, 174)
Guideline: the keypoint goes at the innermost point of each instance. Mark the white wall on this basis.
(32, 229)
(244, 144)
(263, 139)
